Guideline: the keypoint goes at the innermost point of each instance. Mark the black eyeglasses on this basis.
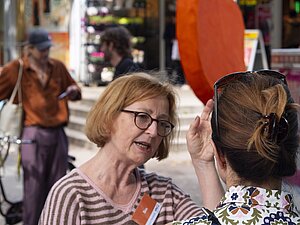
(143, 121)
(222, 82)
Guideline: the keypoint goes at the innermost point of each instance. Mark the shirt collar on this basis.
(27, 65)
(253, 196)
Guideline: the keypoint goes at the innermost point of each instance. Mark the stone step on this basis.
(77, 123)
(79, 139)
(75, 129)
(188, 108)
(81, 108)
(76, 117)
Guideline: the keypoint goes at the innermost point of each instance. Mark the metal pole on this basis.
(162, 58)
(21, 20)
(21, 26)
(9, 30)
(276, 32)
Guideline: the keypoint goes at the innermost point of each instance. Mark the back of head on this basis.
(121, 93)
(121, 39)
(253, 133)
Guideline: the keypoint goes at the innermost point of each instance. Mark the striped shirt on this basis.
(75, 199)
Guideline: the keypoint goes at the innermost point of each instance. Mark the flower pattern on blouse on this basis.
(246, 205)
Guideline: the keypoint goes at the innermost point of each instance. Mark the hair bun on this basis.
(276, 128)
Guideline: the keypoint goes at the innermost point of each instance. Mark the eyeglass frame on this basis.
(233, 76)
(136, 113)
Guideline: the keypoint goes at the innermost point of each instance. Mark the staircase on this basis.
(188, 107)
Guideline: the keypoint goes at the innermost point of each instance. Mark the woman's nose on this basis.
(152, 129)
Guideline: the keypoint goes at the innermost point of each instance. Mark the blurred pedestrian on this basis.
(292, 30)
(116, 46)
(46, 114)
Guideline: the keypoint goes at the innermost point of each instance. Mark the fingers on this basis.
(207, 110)
(205, 117)
(213, 146)
(194, 125)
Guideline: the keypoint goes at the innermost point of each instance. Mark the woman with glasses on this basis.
(132, 122)
(253, 136)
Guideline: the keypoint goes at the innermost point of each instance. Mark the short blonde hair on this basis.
(121, 93)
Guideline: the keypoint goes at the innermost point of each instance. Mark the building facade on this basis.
(75, 26)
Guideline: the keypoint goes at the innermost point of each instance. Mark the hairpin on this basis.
(277, 128)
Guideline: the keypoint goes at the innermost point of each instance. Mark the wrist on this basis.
(203, 164)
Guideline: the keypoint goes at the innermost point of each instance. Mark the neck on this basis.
(270, 183)
(107, 168)
(117, 180)
(37, 63)
(115, 60)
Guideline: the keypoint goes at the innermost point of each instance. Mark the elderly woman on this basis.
(132, 122)
(254, 131)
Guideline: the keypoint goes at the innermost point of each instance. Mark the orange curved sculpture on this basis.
(210, 35)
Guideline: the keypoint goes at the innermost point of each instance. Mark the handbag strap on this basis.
(18, 85)
(211, 216)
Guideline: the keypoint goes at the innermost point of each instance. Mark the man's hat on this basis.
(40, 39)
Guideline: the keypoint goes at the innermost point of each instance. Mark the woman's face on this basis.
(133, 144)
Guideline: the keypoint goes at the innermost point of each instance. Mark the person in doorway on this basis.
(254, 138)
(292, 30)
(44, 79)
(116, 46)
(131, 122)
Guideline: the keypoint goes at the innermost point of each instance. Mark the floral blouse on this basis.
(251, 206)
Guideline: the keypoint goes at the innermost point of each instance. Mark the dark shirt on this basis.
(126, 65)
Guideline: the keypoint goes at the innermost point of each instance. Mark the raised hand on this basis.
(201, 149)
(199, 143)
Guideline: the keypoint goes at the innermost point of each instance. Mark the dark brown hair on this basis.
(242, 106)
(121, 39)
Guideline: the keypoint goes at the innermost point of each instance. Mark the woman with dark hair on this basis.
(254, 140)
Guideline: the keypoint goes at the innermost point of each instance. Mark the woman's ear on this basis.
(220, 158)
(110, 46)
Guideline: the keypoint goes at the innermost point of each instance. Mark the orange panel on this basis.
(186, 27)
(220, 38)
(211, 42)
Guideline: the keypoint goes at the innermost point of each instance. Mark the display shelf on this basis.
(101, 14)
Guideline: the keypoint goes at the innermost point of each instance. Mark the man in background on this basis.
(46, 88)
(116, 46)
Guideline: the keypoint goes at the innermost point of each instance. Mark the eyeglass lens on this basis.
(143, 121)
